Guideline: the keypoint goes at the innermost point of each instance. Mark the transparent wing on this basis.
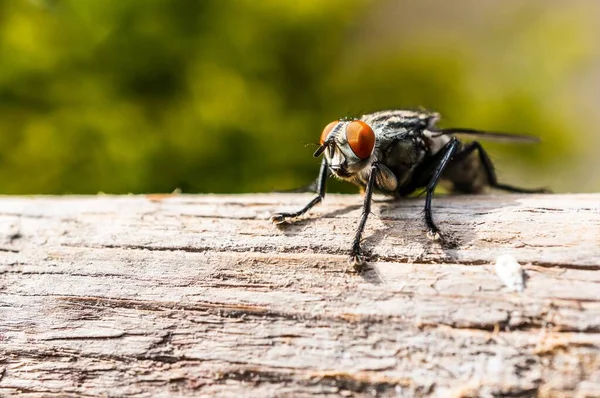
(488, 135)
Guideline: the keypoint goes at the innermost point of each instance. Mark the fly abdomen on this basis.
(466, 172)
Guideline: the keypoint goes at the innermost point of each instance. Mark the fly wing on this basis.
(488, 135)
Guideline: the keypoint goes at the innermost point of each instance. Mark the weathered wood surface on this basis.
(201, 295)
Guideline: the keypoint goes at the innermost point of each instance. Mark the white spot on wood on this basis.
(510, 272)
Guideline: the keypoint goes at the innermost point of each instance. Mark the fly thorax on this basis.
(403, 154)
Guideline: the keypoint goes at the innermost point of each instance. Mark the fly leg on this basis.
(357, 259)
(279, 218)
(449, 150)
(488, 166)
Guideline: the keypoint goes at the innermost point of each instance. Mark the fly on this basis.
(397, 152)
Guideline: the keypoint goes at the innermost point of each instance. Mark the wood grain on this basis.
(149, 296)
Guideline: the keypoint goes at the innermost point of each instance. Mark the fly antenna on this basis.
(321, 149)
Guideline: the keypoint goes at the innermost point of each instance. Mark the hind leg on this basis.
(488, 167)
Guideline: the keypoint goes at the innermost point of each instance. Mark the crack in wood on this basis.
(426, 258)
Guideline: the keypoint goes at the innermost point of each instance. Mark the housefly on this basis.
(397, 152)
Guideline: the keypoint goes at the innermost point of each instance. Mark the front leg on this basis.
(279, 218)
(357, 259)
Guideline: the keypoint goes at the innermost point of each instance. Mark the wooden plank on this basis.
(200, 295)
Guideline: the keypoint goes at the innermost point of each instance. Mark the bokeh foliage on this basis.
(231, 95)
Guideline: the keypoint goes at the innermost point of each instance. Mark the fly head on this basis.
(347, 146)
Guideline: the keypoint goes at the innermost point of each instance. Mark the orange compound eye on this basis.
(361, 138)
(327, 130)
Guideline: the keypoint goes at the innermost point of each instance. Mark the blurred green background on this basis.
(122, 96)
